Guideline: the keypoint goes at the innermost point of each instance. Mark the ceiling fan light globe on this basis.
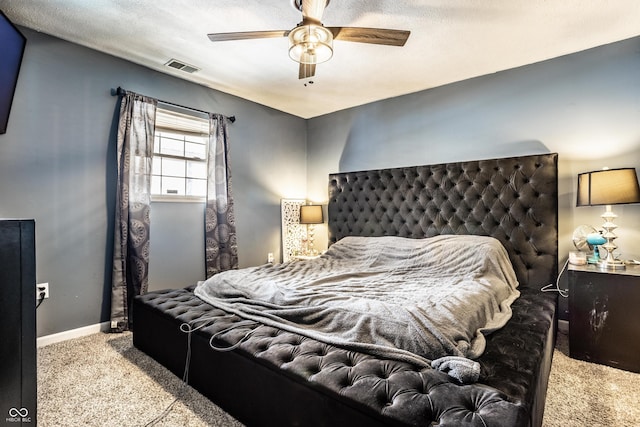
(310, 44)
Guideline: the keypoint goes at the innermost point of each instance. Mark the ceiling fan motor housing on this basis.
(310, 44)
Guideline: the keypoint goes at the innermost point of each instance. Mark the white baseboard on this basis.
(73, 333)
(563, 326)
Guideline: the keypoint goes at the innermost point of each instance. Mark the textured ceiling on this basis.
(451, 40)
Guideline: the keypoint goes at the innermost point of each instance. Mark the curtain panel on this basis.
(221, 248)
(131, 240)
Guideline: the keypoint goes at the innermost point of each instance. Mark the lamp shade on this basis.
(311, 214)
(608, 187)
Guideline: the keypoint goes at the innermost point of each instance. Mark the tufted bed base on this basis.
(277, 378)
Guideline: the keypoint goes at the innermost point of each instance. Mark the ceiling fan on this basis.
(311, 43)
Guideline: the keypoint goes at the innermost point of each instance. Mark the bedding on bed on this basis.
(413, 300)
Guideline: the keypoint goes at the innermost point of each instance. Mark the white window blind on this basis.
(193, 124)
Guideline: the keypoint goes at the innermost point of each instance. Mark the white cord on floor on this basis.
(189, 328)
(185, 327)
(164, 413)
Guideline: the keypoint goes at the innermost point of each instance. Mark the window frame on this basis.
(177, 121)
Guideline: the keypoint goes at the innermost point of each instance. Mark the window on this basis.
(179, 165)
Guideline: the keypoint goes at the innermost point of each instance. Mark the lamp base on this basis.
(605, 264)
(609, 262)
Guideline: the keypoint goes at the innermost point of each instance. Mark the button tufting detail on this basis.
(401, 391)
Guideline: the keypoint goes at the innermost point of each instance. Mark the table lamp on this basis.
(311, 215)
(608, 187)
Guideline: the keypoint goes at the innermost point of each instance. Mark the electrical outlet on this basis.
(42, 287)
(270, 257)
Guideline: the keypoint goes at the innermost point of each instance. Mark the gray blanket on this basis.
(414, 300)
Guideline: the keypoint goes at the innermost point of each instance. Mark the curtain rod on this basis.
(119, 91)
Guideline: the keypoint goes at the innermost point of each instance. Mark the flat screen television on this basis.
(12, 44)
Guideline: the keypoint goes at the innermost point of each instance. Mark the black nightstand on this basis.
(604, 316)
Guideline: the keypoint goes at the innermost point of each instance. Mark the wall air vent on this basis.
(179, 65)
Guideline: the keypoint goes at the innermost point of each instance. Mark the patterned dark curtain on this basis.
(221, 249)
(131, 240)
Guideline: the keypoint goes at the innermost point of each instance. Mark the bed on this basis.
(274, 376)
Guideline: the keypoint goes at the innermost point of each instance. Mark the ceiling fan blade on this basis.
(370, 35)
(313, 9)
(220, 37)
(306, 71)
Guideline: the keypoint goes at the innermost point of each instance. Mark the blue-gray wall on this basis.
(57, 160)
(57, 165)
(584, 106)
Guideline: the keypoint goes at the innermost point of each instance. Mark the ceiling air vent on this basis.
(179, 65)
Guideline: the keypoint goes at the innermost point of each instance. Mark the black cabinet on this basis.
(17, 323)
(604, 316)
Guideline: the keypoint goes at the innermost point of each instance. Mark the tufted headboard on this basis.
(513, 199)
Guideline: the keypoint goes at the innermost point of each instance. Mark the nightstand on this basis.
(604, 316)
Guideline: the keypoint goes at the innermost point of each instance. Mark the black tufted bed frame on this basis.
(277, 378)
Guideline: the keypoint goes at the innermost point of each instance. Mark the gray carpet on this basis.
(102, 380)
(587, 394)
